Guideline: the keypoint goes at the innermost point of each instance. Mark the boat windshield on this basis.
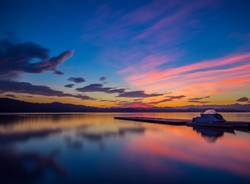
(218, 116)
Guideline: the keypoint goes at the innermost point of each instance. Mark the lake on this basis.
(96, 148)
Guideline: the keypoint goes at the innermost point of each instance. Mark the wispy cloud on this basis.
(209, 74)
(167, 99)
(182, 14)
(131, 36)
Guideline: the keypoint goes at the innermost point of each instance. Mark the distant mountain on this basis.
(12, 105)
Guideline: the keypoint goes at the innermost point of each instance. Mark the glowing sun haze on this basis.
(145, 53)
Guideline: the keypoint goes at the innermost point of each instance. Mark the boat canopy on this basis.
(210, 111)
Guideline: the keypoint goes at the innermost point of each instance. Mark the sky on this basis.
(145, 53)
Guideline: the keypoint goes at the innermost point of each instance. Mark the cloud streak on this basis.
(25, 87)
(76, 79)
(243, 99)
(199, 100)
(100, 88)
(68, 85)
(167, 99)
(137, 94)
(120, 91)
(204, 77)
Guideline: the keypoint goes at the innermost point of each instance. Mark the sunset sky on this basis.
(126, 53)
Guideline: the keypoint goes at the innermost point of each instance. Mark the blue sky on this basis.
(135, 43)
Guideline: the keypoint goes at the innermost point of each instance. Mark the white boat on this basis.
(209, 116)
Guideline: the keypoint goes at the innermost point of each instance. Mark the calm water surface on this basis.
(95, 148)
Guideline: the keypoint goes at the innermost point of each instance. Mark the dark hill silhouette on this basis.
(12, 105)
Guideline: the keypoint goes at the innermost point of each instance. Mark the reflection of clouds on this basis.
(75, 131)
(230, 154)
(148, 148)
(14, 137)
(37, 122)
(72, 143)
(212, 134)
(26, 167)
(100, 136)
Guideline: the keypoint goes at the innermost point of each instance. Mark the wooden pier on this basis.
(181, 122)
(155, 120)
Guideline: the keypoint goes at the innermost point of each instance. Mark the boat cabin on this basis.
(209, 116)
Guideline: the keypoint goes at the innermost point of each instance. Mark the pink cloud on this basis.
(147, 63)
(156, 75)
(210, 77)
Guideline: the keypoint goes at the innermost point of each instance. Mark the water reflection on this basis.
(103, 135)
(212, 134)
(95, 148)
(14, 137)
(26, 167)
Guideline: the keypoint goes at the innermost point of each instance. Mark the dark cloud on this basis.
(10, 95)
(168, 99)
(76, 79)
(25, 87)
(125, 104)
(94, 88)
(243, 99)
(100, 88)
(117, 90)
(176, 97)
(83, 97)
(58, 72)
(137, 94)
(68, 85)
(102, 100)
(199, 100)
(120, 91)
(103, 78)
(28, 57)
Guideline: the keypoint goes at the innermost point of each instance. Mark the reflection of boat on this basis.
(211, 134)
